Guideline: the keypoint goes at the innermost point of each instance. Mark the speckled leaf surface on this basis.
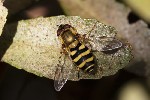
(33, 45)
(3, 14)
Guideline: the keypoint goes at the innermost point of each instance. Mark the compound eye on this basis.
(62, 28)
(59, 32)
(67, 26)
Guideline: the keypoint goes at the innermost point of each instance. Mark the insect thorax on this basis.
(68, 38)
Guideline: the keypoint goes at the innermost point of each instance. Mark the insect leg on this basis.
(89, 33)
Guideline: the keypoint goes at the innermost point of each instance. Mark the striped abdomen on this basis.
(82, 57)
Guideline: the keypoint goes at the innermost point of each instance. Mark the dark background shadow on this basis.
(21, 85)
(6, 38)
(45, 8)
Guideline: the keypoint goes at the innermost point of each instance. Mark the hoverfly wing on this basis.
(59, 79)
(110, 43)
(58, 84)
(105, 43)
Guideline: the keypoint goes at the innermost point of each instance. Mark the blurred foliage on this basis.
(140, 7)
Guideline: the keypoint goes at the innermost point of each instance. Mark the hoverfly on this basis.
(73, 44)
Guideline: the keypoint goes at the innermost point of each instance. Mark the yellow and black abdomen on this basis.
(82, 57)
